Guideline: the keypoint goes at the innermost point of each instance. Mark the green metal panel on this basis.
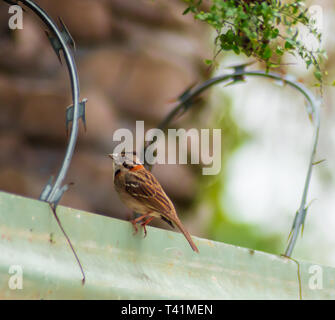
(119, 265)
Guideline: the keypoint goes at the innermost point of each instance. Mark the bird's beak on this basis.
(112, 156)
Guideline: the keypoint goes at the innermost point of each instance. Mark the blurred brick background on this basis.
(132, 56)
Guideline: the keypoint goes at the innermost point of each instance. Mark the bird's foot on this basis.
(144, 229)
(134, 226)
(143, 224)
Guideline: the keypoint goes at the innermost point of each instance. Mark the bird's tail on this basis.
(185, 233)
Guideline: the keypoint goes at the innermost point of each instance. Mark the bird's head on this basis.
(125, 160)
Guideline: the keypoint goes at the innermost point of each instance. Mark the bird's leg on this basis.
(134, 221)
(143, 224)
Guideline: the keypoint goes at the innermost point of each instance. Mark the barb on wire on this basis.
(313, 110)
(70, 114)
(56, 44)
(61, 40)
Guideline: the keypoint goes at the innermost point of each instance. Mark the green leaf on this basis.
(279, 51)
(289, 44)
(254, 27)
(187, 10)
(267, 53)
(318, 75)
(275, 33)
(236, 49)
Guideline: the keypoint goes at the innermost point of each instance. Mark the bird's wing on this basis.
(145, 188)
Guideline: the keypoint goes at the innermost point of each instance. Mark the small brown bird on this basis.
(141, 192)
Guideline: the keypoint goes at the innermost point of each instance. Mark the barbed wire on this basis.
(186, 101)
(61, 40)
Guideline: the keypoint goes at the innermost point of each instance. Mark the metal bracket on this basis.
(58, 193)
(46, 190)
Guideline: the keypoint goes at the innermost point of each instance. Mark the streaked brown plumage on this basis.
(141, 192)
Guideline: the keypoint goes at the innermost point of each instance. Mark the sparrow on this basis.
(140, 191)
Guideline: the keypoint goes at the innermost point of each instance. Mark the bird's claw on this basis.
(144, 229)
(135, 227)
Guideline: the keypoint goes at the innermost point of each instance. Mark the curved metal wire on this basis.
(313, 109)
(52, 193)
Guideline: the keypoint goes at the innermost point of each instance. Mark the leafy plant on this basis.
(265, 29)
